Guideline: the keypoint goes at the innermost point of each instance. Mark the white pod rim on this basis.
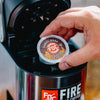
(49, 61)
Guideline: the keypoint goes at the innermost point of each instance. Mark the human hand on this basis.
(68, 23)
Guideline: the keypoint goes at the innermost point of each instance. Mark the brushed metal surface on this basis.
(29, 86)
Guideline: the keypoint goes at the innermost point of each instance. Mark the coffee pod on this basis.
(52, 49)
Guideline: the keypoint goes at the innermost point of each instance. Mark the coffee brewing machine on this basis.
(23, 22)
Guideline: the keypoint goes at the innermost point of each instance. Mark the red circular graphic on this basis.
(53, 48)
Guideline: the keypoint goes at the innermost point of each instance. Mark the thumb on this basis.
(78, 57)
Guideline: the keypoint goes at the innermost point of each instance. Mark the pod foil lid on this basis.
(52, 49)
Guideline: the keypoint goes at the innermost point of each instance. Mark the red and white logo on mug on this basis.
(49, 94)
(69, 93)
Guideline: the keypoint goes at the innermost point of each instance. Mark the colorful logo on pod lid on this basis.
(52, 48)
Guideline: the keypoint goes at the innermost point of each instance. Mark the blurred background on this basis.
(7, 69)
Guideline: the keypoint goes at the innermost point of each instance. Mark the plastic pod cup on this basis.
(52, 49)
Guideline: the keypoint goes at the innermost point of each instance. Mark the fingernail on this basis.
(64, 66)
(41, 36)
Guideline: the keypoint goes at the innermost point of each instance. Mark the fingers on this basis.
(52, 28)
(70, 10)
(66, 21)
(54, 25)
(72, 18)
(62, 32)
(78, 57)
(71, 33)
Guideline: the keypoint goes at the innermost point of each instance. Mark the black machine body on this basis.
(24, 22)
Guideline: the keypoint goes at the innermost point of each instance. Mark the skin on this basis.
(85, 20)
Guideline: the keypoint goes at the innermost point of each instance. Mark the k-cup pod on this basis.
(52, 49)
